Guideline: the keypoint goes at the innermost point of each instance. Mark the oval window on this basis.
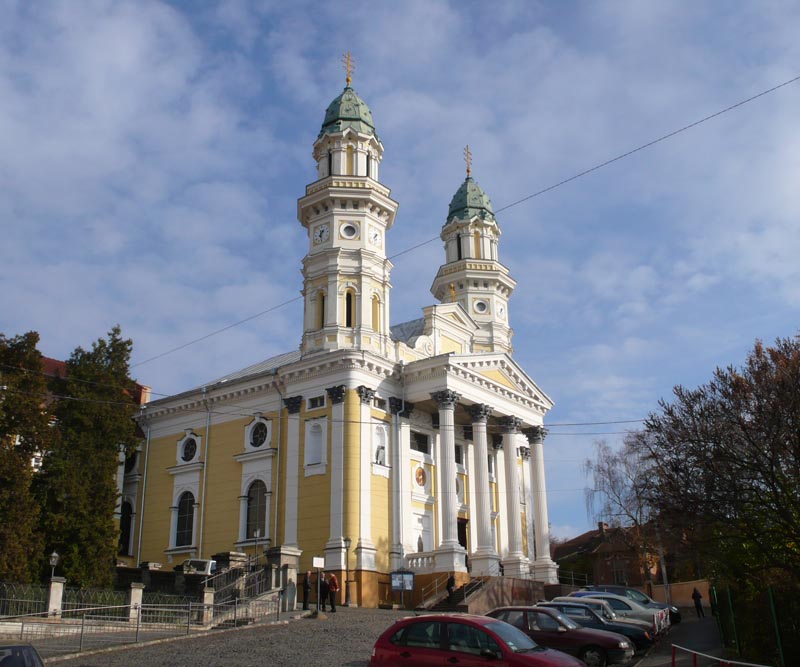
(189, 449)
(258, 435)
(481, 306)
(349, 231)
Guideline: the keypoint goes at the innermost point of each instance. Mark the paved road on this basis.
(343, 639)
(697, 634)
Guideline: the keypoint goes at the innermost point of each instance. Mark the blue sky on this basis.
(151, 155)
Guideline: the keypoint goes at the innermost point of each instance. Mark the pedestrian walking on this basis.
(333, 590)
(698, 604)
(451, 586)
(323, 592)
(306, 589)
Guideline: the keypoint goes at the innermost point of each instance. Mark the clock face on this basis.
(501, 311)
(321, 234)
(375, 238)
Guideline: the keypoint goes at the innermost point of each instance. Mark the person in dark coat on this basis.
(333, 590)
(306, 589)
(451, 586)
(323, 592)
(698, 604)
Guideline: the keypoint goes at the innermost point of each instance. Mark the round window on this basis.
(481, 306)
(258, 435)
(189, 449)
(349, 231)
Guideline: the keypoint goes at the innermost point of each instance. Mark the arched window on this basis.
(380, 444)
(330, 163)
(458, 246)
(183, 533)
(350, 161)
(477, 237)
(369, 165)
(376, 312)
(320, 310)
(314, 445)
(349, 308)
(125, 524)
(256, 509)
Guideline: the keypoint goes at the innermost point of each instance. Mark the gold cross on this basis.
(468, 160)
(349, 66)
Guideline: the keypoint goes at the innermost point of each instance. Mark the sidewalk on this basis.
(698, 634)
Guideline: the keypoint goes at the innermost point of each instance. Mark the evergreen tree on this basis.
(25, 431)
(78, 488)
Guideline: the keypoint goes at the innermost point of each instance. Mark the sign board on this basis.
(402, 581)
(318, 562)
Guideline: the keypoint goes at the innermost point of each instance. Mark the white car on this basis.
(627, 608)
(606, 611)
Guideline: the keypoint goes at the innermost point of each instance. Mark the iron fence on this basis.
(20, 599)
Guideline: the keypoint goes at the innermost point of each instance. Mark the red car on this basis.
(464, 640)
(549, 627)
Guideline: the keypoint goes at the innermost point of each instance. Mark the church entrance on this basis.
(462, 532)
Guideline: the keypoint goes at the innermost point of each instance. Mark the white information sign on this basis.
(318, 562)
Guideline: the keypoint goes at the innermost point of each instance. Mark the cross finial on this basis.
(468, 160)
(349, 66)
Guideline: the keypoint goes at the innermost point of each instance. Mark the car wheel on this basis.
(593, 656)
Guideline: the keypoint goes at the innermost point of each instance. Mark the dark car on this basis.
(19, 655)
(637, 596)
(587, 617)
(549, 627)
(469, 641)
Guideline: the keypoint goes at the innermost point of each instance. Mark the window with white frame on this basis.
(315, 458)
(460, 455)
(379, 403)
(188, 448)
(185, 524)
(380, 443)
(420, 442)
(256, 510)
(316, 402)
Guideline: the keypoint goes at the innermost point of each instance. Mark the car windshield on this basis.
(566, 620)
(638, 596)
(515, 639)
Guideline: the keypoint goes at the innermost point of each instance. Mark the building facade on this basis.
(419, 445)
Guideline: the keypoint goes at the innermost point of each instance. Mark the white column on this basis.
(485, 558)
(527, 487)
(365, 548)
(334, 549)
(515, 563)
(400, 410)
(544, 568)
(450, 554)
(243, 518)
(293, 405)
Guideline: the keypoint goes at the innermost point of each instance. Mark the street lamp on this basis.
(54, 558)
(347, 543)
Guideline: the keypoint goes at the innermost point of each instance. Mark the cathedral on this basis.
(377, 447)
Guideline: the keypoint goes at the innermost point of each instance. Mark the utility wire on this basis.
(503, 208)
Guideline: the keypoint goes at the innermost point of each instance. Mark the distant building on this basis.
(420, 444)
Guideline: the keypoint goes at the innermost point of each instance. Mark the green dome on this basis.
(348, 111)
(469, 201)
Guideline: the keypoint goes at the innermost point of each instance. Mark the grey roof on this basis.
(405, 331)
(266, 366)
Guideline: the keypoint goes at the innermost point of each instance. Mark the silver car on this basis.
(627, 608)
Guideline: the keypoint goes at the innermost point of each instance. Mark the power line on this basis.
(503, 208)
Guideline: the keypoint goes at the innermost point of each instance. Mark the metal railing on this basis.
(16, 599)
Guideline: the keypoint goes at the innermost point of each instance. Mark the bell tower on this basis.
(347, 212)
(472, 274)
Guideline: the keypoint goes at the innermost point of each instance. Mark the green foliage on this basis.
(726, 466)
(24, 431)
(77, 486)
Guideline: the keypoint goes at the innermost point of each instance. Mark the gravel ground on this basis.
(343, 639)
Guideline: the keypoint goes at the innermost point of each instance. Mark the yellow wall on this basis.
(314, 497)
(451, 345)
(499, 377)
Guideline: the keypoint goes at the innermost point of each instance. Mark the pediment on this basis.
(500, 369)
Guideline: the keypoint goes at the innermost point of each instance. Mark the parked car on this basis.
(627, 608)
(607, 612)
(549, 627)
(197, 566)
(470, 641)
(586, 617)
(19, 655)
(638, 596)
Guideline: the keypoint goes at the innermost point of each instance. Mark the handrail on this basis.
(723, 662)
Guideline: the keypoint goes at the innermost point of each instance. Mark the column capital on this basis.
(398, 406)
(525, 452)
(497, 442)
(446, 398)
(509, 424)
(336, 393)
(535, 434)
(293, 404)
(365, 393)
(479, 412)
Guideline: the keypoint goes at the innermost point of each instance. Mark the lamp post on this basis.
(347, 543)
(54, 558)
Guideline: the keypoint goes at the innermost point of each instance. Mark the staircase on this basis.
(459, 601)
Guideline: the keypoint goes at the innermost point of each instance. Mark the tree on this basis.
(78, 487)
(726, 464)
(25, 431)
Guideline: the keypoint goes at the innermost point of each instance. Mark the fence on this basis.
(684, 656)
(16, 599)
(99, 627)
(760, 625)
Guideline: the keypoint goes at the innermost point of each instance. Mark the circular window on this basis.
(130, 462)
(258, 435)
(481, 306)
(420, 476)
(189, 449)
(349, 231)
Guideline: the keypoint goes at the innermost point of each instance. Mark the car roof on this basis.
(448, 618)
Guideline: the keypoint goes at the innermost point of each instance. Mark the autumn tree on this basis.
(25, 432)
(726, 464)
(94, 408)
